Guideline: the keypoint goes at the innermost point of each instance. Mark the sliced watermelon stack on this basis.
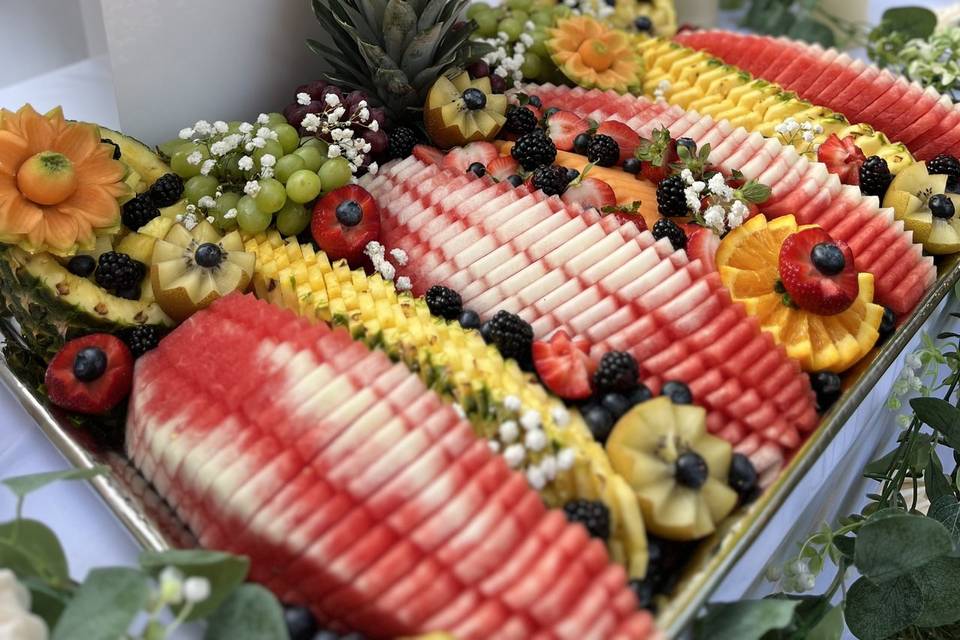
(800, 187)
(927, 122)
(563, 267)
(356, 490)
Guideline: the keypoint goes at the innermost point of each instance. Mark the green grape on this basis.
(335, 173)
(275, 118)
(512, 27)
(542, 19)
(316, 142)
(199, 186)
(303, 186)
(312, 156)
(520, 16)
(287, 165)
(179, 162)
(292, 218)
(272, 195)
(562, 11)
(287, 136)
(477, 8)
(519, 5)
(225, 202)
(486, 24)
(539, 45)
(531, 66)
(249, 216)
(272, 147)
(170, 147)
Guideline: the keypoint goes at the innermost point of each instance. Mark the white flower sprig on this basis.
(803, 136)
(506, 60)
(335, 124)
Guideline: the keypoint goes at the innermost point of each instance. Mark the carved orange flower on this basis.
(59, 184)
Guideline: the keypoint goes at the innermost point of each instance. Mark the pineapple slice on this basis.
(452, 360)
(192, 269)
(678, 471)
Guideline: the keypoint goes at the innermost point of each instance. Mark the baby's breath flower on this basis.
(304, 98)
(508, 431)
(245, 163)
(206, 202)
(263, 118)
(245, 127)
(566, 459)
(194, 158)
(207, 166)
(268, 160)
(514, 455)
(185, 134)
(252, 188)
(332, 100)
(403, 283)
(399, 255)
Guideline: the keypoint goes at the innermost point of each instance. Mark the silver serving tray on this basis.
(155, 527)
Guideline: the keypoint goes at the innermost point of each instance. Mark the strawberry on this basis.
(459, 159)
(590, 192)
(702, 244)
(626, 138)
(344, 221)
(842, 157)
(564, 365)
(563, 127)
(818, 272)
(635, 218)
(427, 154)
(657, 155)
(503, 167)
(90, 375)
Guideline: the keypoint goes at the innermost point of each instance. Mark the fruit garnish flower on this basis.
(802, 136)
(592, 54)
(336, 124)
(59, 184)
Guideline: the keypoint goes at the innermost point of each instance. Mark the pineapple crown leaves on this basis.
(393, 49)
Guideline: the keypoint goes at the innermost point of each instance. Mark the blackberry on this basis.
(603, 151)
(874, 176)
(444, 302)
(401, 142)
(510, 334)
(666, 228)
(826, 386)
(946, 165)
(551, 179)
(167, 189)
(599, 421)
(118, 272)
(534, 150)
(887, 325)
(116, 147)
(592, 514)
(520, 120)
(142, 338)
(618, 372)
(671, 201)
(82, 266)
(139, 211)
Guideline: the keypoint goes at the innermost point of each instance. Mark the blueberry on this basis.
(827, 386)
(631, 165)
(572, 174)
(89, 364)
(616, 404)
(689, 143)
(828, 258)
(887, 325)
(208, 255)
(82, 266)
(743, 476)
(941, 206)
(469, 319)
(349, 213)
(599, 421)
(515, 180)
(301, 625)
(643, 24)
(581, 142)
(477, 169)
(643, 589)
(678, 392)
(536, 101)
(641, 394)
(474, 99)
(691, 470)
(549, 112)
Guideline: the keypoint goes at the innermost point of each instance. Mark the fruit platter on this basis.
(520, 321)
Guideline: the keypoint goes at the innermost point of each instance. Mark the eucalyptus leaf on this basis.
(877, 611)
(846, 545)
(11, 557)
(744, 620)
(45, 601)
(941, 415)
(104, 606)
(813, 31)
(250, 613)
(809, 613)
(830, 627)
(37, 542)
(940, 585)
(935, 482)
(223, 570)
(888, 546)
(880, 466)
(946, 511)
(912, 22)
(25, 485)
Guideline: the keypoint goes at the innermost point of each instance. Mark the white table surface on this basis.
(92, 537)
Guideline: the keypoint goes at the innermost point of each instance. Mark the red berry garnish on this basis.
(90, 375)
(344, 221)
(817, 272)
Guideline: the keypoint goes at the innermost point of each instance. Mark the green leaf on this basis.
(45, 601)
(935, 482)
(250, 613)
(877, 611)
(883, 533)
(940, 585)
(830, 627)
(399, 27)
(40, 545)
(224, 571)
(24, 485)
(420, 52)
(946, 511)
(11, 557)
(104, 605)
(744, 620)
(812, 30)
(880, 466)
(912, 22)
(941, 415)
(809, 613)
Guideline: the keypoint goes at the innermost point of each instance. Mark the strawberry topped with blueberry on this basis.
(817, 272)
(90, 375)
(344, 221)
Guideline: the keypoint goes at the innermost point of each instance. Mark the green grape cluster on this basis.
(288, 173)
